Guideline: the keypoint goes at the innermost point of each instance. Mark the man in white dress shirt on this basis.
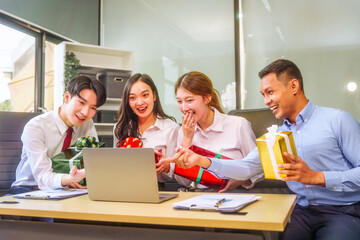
(50, 133)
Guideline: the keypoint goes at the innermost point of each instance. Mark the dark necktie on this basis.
(67, 140)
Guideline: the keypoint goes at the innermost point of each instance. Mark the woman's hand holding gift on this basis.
(161, 166)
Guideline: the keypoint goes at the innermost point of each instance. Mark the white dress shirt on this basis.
(230, 136)
(42, 139)
(162, 135)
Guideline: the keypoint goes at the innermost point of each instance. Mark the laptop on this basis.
(122, 175)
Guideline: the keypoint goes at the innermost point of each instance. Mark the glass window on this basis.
(17, 68)
(26, 66)
(321, 37)
(170, 38)
(49, 76)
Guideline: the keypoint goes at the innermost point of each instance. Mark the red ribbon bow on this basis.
(131, 142)
(134, 142)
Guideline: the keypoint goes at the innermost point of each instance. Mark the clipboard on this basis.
(217, 202)
(52, 194)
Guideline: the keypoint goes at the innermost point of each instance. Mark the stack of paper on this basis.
(56, 194)
(217, 202)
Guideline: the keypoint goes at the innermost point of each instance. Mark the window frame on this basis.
(41, 36)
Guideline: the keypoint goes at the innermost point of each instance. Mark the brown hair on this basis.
(199, 84)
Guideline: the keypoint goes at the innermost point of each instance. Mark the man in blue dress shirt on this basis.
(325, 176)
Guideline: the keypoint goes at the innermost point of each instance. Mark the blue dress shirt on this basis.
(328, 140)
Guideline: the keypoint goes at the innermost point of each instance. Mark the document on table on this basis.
(217, 202)
(52, 194)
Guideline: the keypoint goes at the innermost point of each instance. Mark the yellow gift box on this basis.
(271, 147)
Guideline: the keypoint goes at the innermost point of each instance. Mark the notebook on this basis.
(122, 175)
(217, 202)
(52, 194)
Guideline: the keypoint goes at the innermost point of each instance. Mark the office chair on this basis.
(11, 128)
(260, 119)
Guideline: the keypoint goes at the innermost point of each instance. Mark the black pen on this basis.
(9, 202)
(235, 213)
(218, 203)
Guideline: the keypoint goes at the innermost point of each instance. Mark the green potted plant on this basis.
(72, 64)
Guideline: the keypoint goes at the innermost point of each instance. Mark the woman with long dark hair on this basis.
(141, 115)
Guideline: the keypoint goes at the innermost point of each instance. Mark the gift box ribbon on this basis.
(201, 175)
(201, 170)
(83, 142)
(270, 141)
(134, 142)
(130, 142)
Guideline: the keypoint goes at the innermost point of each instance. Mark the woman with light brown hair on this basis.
(205, 125)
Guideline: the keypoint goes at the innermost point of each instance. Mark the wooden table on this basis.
(269, 214)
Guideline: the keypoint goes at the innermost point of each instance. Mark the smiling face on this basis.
(280, 96)
(141, 100)
(78, 109)
(191, 103)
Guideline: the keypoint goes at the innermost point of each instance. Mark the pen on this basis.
(37, 197)
(9, 202)
(218, 203)
(235, 213)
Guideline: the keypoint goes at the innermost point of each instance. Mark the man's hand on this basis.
(75, 175)
(297, 170)
(186, 158)
(188, 128)
(76, 185)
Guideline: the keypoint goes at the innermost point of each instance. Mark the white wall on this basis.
(170, 38)
(321, 36)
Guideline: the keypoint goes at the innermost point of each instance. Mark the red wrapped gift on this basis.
(131, 142)
(201, 175)
(134, 142)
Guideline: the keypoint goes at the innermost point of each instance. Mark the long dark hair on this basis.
(199, 84)
(127, 125)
